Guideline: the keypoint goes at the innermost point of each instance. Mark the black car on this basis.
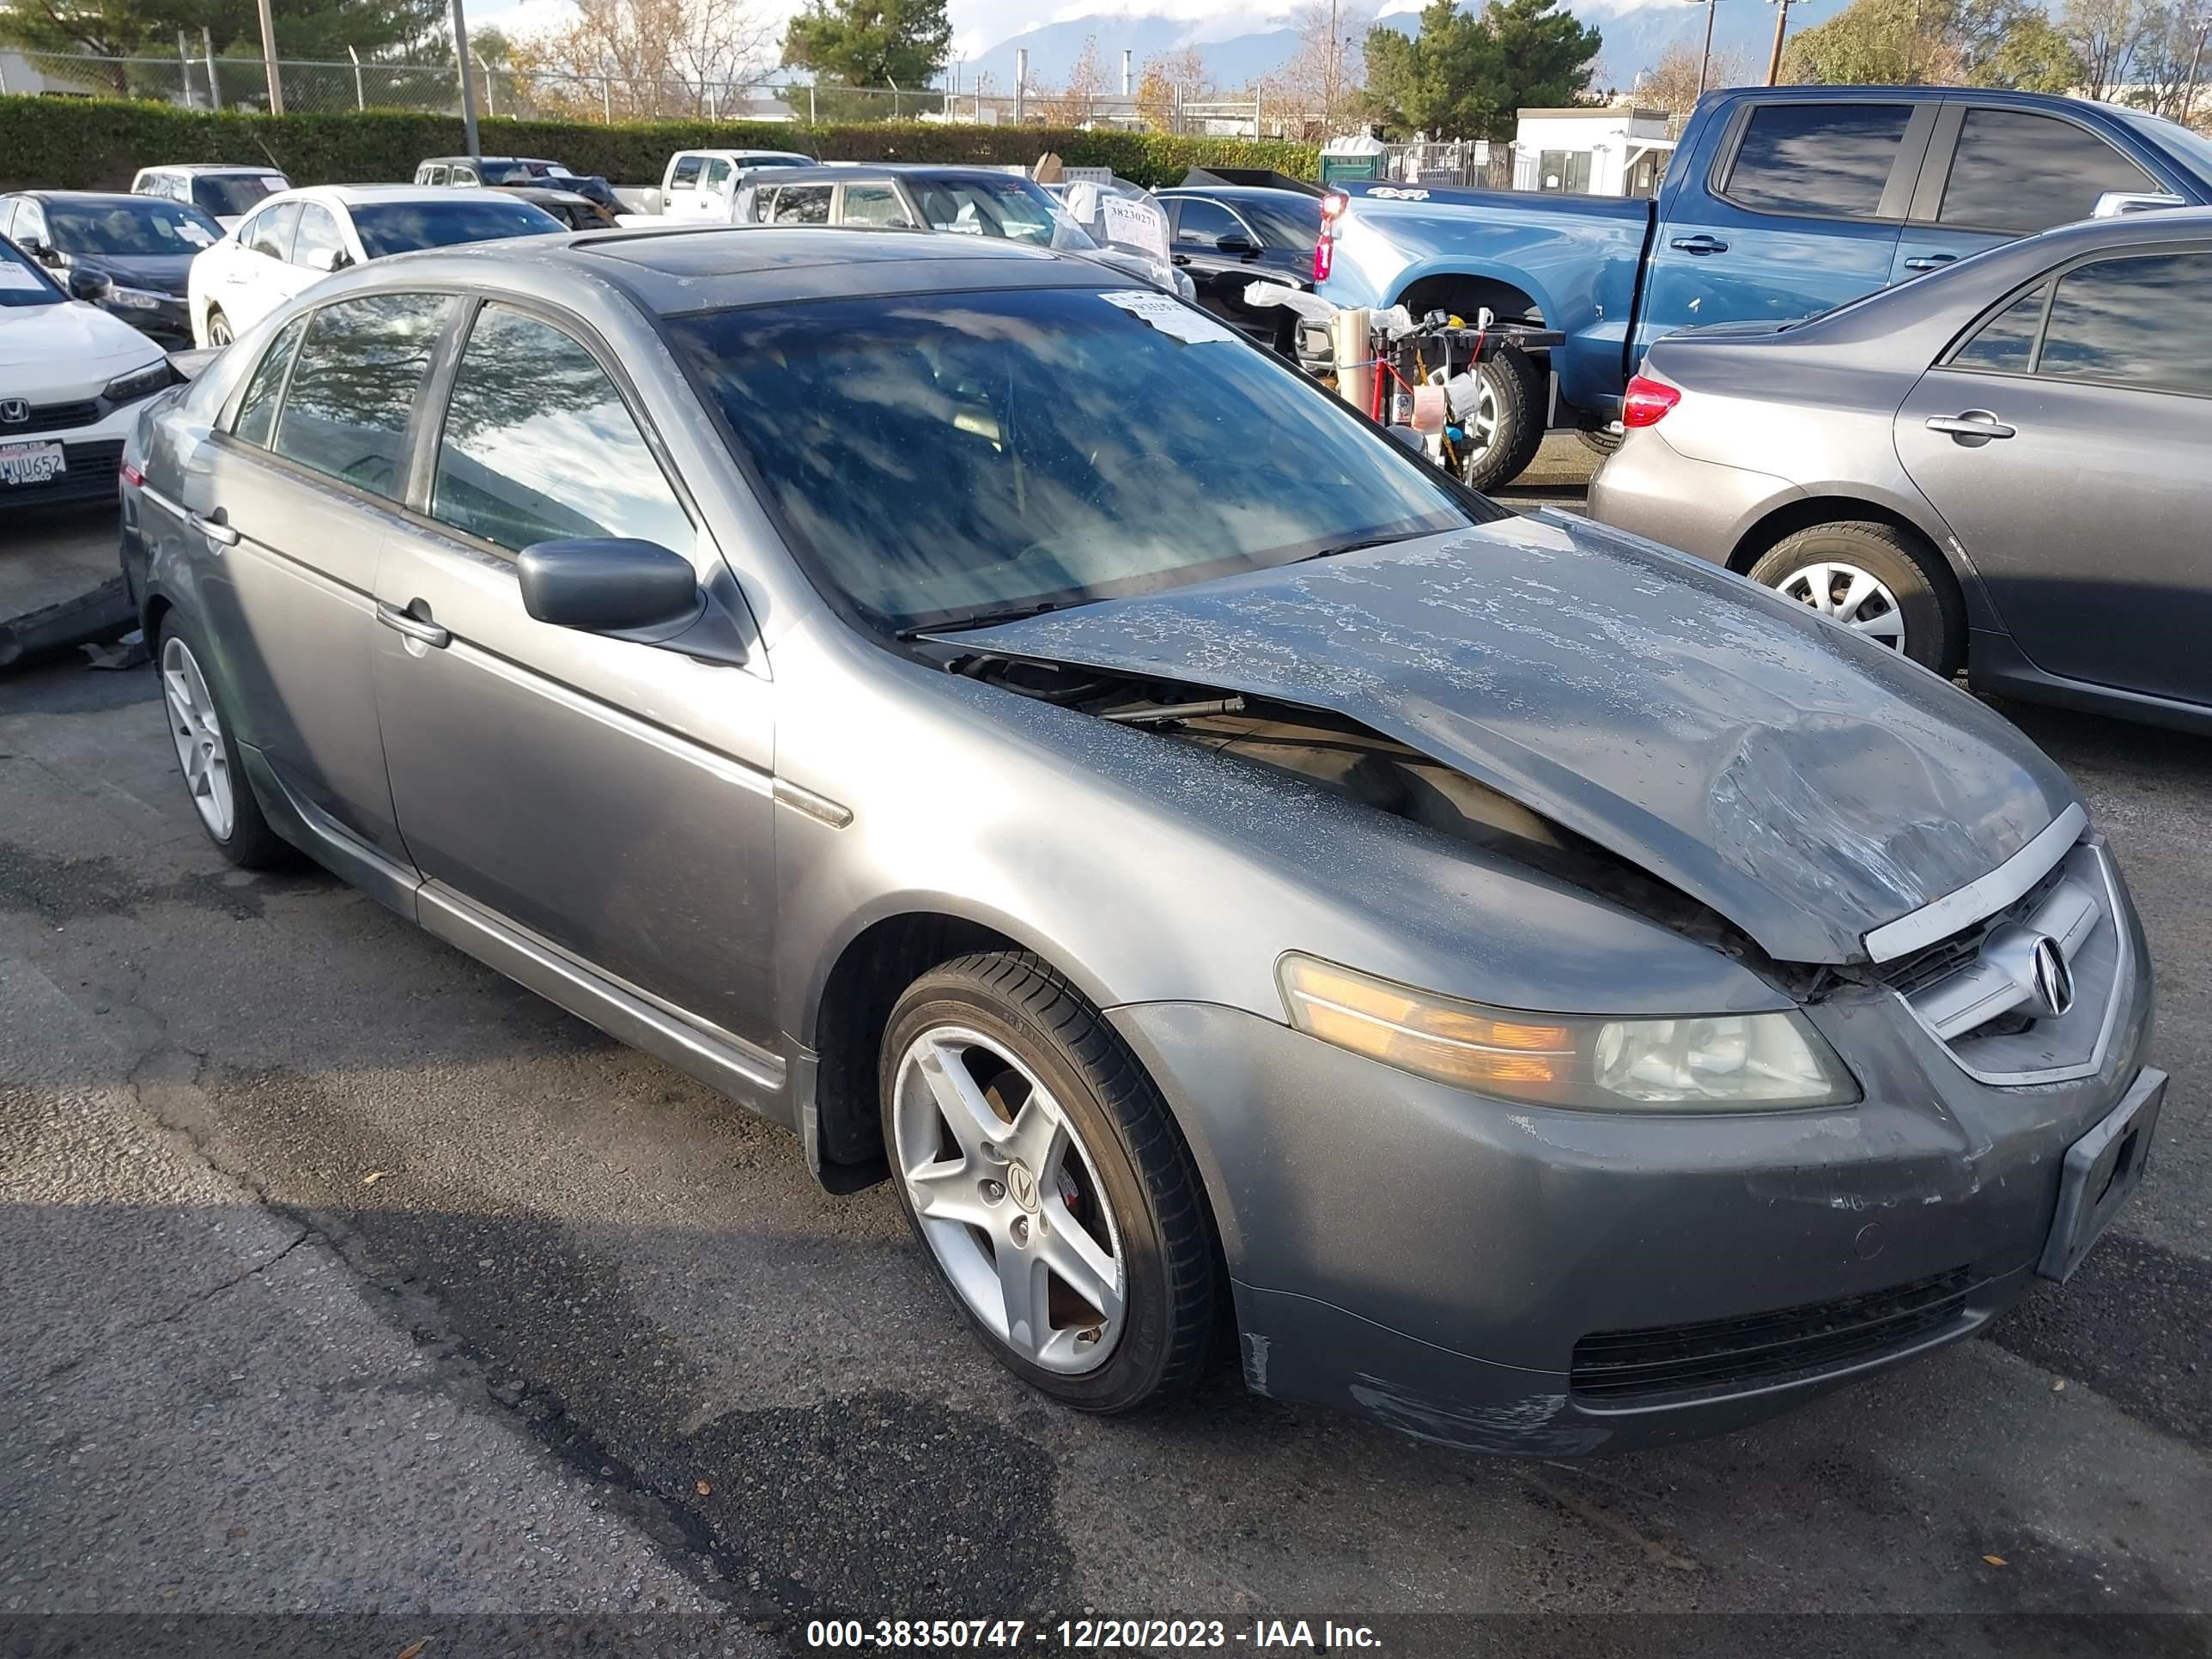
(572, 208)
(1229, 236)
(511, 172)
(128, 254)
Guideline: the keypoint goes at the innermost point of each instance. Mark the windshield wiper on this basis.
(990, 619)
(1355, 546)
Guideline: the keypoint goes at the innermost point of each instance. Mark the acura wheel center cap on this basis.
(1021, 1185)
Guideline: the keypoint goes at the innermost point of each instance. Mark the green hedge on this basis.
(73, 143)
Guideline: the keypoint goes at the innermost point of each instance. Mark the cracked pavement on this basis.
(337, 1273)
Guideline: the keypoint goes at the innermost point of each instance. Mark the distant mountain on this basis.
(1634, 38)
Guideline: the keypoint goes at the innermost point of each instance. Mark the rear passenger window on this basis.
(2006, 344)
(538, 446)
(874, 205)
(686, 173)
(361, 365)
(1828, 160)
(2139, 321)
(257, 410)
(2020, 172)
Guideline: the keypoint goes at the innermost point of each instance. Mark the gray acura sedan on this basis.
(1534, 987)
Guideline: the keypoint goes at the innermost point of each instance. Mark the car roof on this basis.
(715, 267)
(201, 169)
(118, 197)
(539, 193)
(828, 171)
(363, 195)
(1241, 193)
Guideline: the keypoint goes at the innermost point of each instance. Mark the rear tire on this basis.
(200, 728)
(1879, 581)
(1034, 1158)
(1513, 386)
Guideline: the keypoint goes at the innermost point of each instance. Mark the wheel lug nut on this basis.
(1021, 1230)
(992, 1192)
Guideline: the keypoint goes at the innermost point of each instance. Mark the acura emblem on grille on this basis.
(14, 411)
(2054, 980)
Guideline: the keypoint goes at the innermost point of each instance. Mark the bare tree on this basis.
(1076, 104)
(2171, 57)
(646, 59)
(1171, 80)
(2108, 34)
(1325, 76)
(1672, 82)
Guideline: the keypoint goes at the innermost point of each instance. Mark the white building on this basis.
(1591, 151)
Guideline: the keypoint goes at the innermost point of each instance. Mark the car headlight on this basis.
(140, 382)
(137, 299)
(1699, 1063)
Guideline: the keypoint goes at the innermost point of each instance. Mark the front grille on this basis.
(1729, 1356)
(1924, 968)
(52, 417)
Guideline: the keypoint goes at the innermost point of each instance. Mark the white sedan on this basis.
(296, 238)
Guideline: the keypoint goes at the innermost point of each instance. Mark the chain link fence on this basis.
(195, 79)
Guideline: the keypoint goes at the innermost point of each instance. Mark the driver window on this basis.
(1203, 223)
(317, 233)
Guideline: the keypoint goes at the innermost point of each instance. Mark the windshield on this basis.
(234, 195)
(21, 282)
(388, 227)
(513, 172)
(946, 455)
(138, 225)
(1289, 224)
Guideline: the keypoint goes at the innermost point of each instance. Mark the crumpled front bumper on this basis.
(1433, 1258)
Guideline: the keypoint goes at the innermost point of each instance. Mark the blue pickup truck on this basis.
(1778, 202)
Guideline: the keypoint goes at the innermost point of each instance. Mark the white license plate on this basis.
(31, 464)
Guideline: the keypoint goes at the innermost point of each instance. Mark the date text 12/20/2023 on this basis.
(1086, 1634)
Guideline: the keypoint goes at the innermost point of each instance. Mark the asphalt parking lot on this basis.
(338, 1273)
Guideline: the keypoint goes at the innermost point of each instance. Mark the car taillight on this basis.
(1331, 208)
(1647, 401)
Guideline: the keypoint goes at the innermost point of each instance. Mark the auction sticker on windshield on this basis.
(13, 275)
(31, 464)
(1170, 315)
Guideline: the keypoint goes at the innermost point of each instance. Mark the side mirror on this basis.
(87, 285)
(1241, 247)
(327, 258)
(2116, 204)
(608, 587)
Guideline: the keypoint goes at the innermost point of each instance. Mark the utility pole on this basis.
(1705, 59)
(468, 81)
(207, 51)
(1774, 58)
(268, 61)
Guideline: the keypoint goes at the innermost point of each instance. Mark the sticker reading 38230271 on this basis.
(1170, 315)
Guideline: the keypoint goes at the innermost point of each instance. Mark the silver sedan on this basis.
(1999, 466)
(1528, 986)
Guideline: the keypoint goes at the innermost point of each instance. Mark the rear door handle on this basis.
(1929, 261)
(414, 628)
(214, 528)
(1974, 424)
(1700, 245)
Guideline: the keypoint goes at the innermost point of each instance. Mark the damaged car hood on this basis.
(1804, 783)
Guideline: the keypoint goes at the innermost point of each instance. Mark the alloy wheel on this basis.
(1009, 1199)
(196, 730)
(218, 330)
(1858, 598)
(1480, 424)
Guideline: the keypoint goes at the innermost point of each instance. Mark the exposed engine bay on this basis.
(1350, 759)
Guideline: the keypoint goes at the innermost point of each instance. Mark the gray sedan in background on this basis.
(1531, 986)
(2000, 465)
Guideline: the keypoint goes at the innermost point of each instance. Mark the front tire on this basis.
(207, 754)
(1507, 426)
(218, 328)
(1878, 580)
(1039, 1166)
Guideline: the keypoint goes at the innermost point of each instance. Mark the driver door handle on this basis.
(214, 528)
(1699, 244)
(414, 628)
(1930, 261)
(1974, 423)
